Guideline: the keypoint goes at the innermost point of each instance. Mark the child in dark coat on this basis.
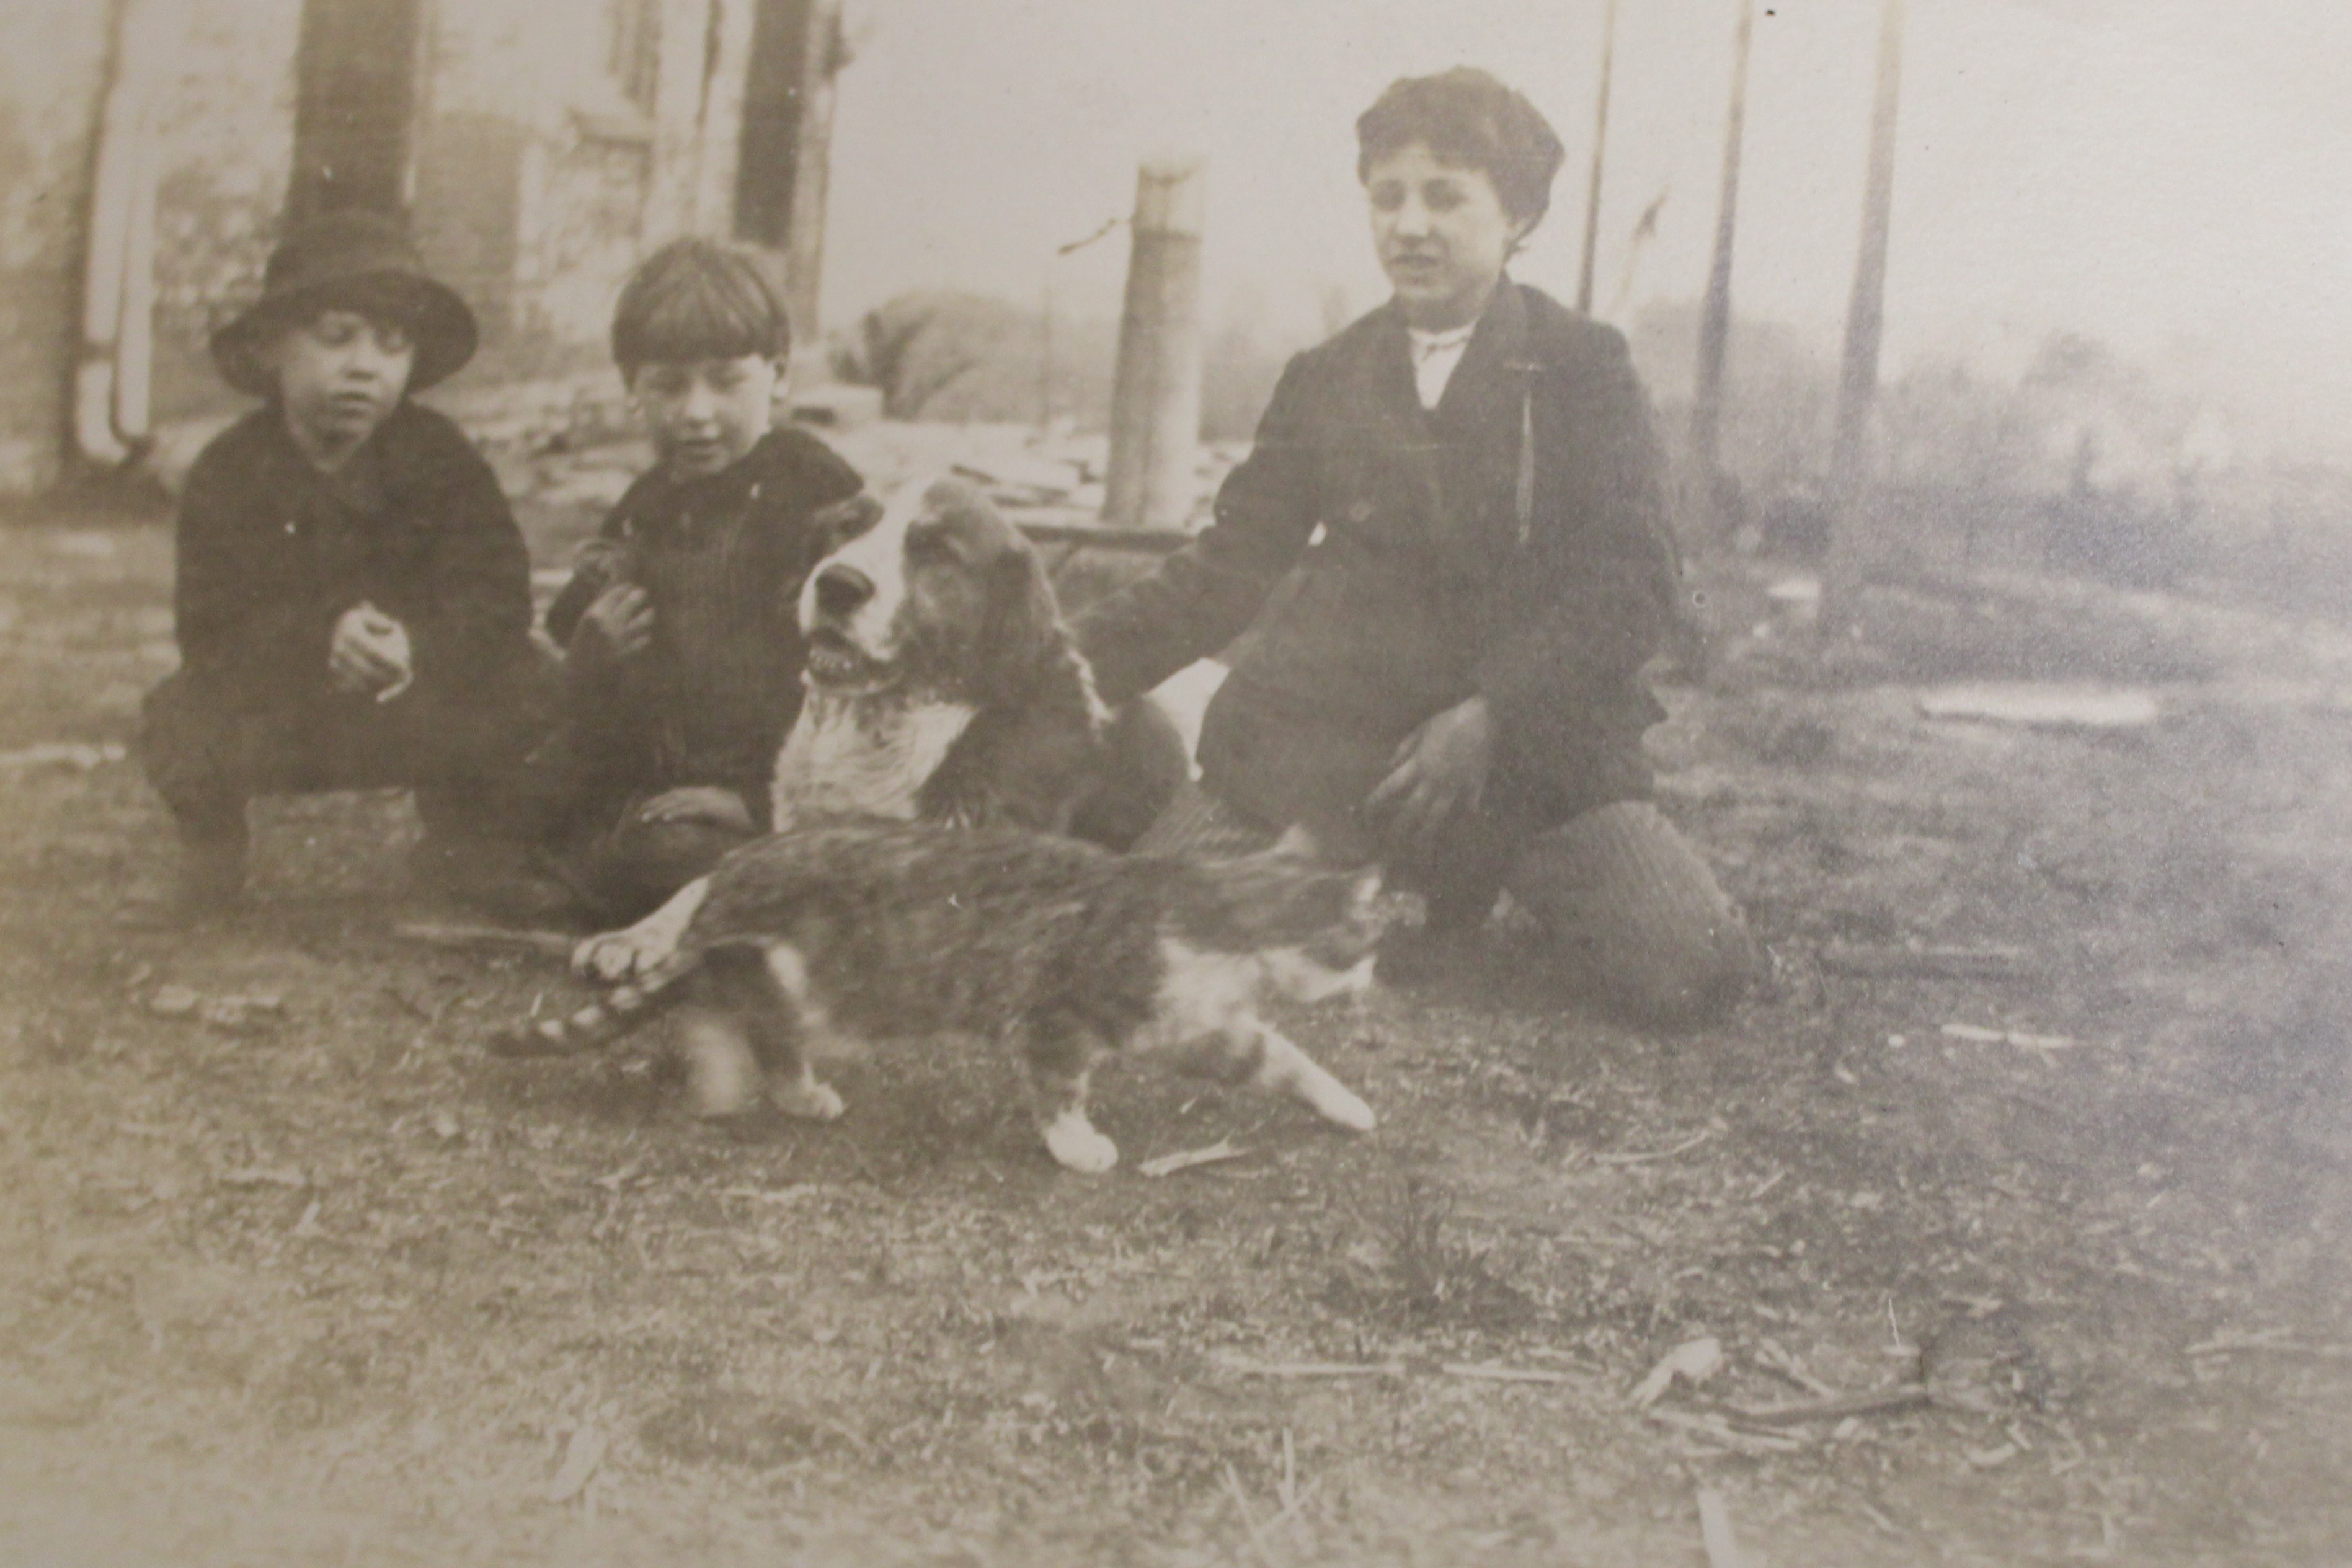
(683, 652)
(353, 594)
(1462, 501)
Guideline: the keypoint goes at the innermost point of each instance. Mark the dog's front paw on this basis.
(1071, 1140)
(612, 957)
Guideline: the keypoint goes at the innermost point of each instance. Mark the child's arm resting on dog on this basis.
(1206, 594)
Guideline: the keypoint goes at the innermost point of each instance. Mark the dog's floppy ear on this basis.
(1022, 637)
(834, 526)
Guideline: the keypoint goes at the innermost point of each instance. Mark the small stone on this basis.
(172, 1001)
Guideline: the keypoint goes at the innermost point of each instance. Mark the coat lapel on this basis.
(1480, 421)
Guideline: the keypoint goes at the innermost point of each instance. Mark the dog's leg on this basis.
(1058, 1060)
(612, 955)
(794, 1016)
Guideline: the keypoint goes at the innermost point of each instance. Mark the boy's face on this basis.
(705, 415)
(1442, 235)
(340, 373)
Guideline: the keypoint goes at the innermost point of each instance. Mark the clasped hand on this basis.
(370, 655)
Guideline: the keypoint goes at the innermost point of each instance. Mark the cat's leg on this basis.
(714, 1041)
(613, 956)
(1058, 1059)
(1246, 1048)
(793, 1018)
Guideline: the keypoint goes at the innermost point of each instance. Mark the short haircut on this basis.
(696, 298)
(1464, 116)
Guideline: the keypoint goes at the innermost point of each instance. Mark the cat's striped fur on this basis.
(862, 931)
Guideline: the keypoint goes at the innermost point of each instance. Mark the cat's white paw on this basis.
(1288, 1070)
(615, 956)
(611, 957)
(806, 1099)
(1071, 1140)
(1336, 1103)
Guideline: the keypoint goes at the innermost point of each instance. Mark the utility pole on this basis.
(1714, 327)
(1600, 149)
(1155, 403)
(1864, 321)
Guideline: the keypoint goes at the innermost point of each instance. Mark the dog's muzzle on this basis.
(834, 661)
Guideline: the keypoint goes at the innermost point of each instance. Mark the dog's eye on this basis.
(929, 543)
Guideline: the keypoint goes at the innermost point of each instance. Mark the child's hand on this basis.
(705, 803)
(368, 654)
(624, 617)
(1439, 771)
(599, 557)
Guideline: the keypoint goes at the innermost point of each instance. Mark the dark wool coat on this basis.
(722, 559)
(1408, 579)
(272, 552)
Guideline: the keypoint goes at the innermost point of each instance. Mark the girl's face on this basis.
(705, 415)
(340, 373)
(1442, 233)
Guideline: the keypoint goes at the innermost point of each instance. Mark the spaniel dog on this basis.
(941, 686)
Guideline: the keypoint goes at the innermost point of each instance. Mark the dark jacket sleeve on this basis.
(1207, 593)
(236, 608)
(1601, 585)
(477, 599)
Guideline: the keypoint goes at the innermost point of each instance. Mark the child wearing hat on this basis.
(682, 645)
(352, 595)
(1449, 548)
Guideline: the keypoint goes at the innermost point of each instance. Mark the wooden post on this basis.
(782, 170)
(1600, 148)
(1714, 327)
(1155, 406)
(1865, 318)
(813, 166)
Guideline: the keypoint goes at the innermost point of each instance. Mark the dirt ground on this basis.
(323, 1284)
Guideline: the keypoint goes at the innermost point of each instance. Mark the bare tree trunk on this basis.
(1714, 327)
(1155, 407)
(1865, 318)
(1600, 149)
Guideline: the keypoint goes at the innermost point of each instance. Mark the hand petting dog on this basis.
(1439, 772)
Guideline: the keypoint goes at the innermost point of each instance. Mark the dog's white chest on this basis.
(852, 756)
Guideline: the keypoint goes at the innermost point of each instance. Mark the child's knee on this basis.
(1640, 915)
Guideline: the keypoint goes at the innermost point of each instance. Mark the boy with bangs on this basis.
(352, 596)
(682, 646)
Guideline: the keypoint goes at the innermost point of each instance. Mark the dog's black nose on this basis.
(840, 590)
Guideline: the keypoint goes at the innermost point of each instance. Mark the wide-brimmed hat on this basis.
(359, 260)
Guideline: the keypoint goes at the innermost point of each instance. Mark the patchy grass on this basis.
(333, 1285)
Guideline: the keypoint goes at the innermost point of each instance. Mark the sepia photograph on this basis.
(1064, 783)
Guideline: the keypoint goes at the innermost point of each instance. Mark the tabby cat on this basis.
(851, 930)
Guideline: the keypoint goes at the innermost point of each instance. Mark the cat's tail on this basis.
(603, 1021)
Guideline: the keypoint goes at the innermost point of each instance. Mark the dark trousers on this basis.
(588, 818)
(631, 867)
(1635, 917)
(208, 748)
